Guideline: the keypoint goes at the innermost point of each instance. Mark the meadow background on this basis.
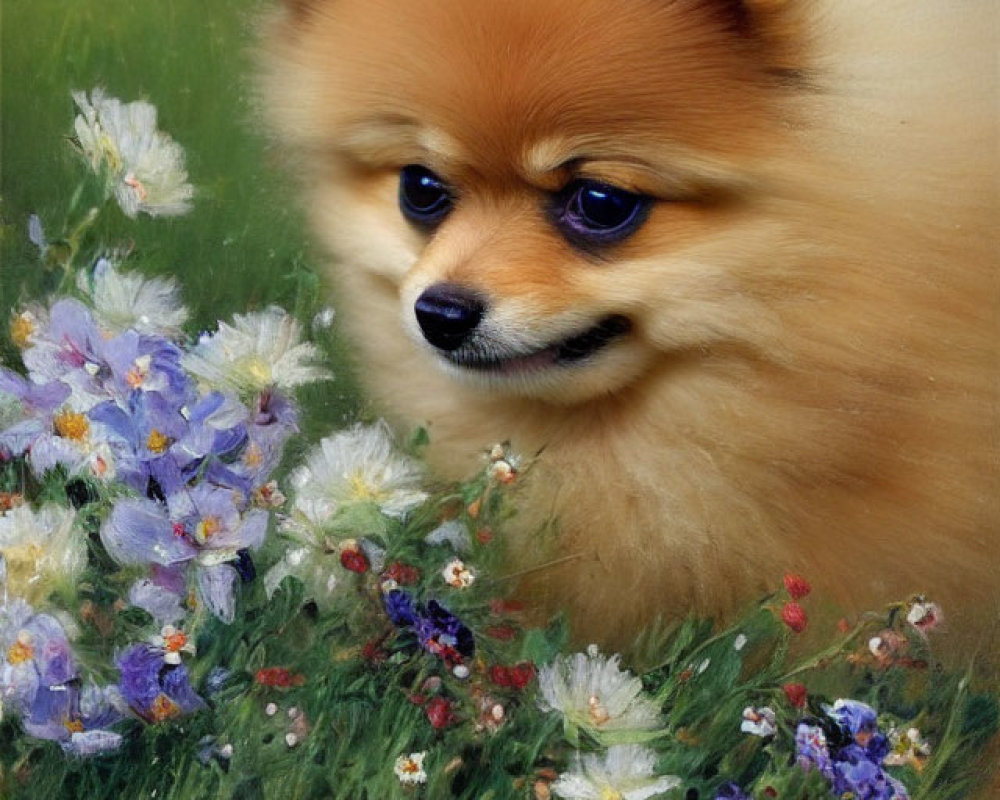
(244, 246)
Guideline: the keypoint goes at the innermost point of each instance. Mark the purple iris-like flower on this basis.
(36, 656)
(203, 527)
(399, 606)
(731, 791)
(142, 363)
(154, 689)
(811, 750)
(439, 631)
(857, 776)
(271, 423)
(856, 718)
(76, 718)
(70, 349)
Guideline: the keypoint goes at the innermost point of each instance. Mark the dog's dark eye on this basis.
(593, 213)
(423, 196)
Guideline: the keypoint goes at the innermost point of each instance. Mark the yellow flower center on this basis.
(362, 490)
(73, 725)
(175, 641)
(258, 370)
(163, 708)
(208, 527)
(71, 425)
(157, 442)
(611, 794)
(21, 650)
(254, 456)
(410, 767)
(21, 328)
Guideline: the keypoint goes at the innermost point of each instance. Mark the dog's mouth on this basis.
(484, 356)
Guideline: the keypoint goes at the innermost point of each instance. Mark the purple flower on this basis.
(854, 717)
(38, 404)
(143, 363)
(203, 527)
(399, 606)
(811, 750)
(731, 791)
(36, 656)
(154, 689)
(440, 632)
(856, 776)
(70, 349)
(76, 718)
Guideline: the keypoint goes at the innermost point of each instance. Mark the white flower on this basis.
(410, 769)
(593, 694)
(39, 549)
(626, 772)
(759, 721)
(259, 351)
(739, 642)
(924, 616)
(359, 465)
(174, 642)
(907, 748)
(458, 575)
(123, 300)
(144, 166)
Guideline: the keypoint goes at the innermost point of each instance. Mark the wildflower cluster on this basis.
(170, 595)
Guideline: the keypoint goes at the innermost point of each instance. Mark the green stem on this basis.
(832, 651)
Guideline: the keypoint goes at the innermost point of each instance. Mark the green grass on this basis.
(245, 245)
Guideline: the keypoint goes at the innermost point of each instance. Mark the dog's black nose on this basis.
(447, 314)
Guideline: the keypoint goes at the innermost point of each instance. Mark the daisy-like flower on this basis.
(359, 465)
(594, 694)
(128, 300)
(144, 166)
(40, 549)
(410, 769)
(259, 352)
(457, 575)
(759, 721)
(173, 642)
(626, 772)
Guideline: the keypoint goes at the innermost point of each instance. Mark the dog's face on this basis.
(546, 194)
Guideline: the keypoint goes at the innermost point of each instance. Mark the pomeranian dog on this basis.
(729, 267)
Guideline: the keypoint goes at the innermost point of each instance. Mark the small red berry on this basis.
(794, 616)
(439, 712)
(796, 694)
(797, 586)
(354, 560)
(403, 574)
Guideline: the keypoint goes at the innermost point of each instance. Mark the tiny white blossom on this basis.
(457, 575)
(924, 615)
(626, 772)
(759, 721)
(907, 748)
(594, 694)
(410, 769)
(144, 166)
(123, 300)
(259, 351)
(174, 642)
(739, 642)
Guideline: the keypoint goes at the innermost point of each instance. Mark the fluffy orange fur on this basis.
(810, 382)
